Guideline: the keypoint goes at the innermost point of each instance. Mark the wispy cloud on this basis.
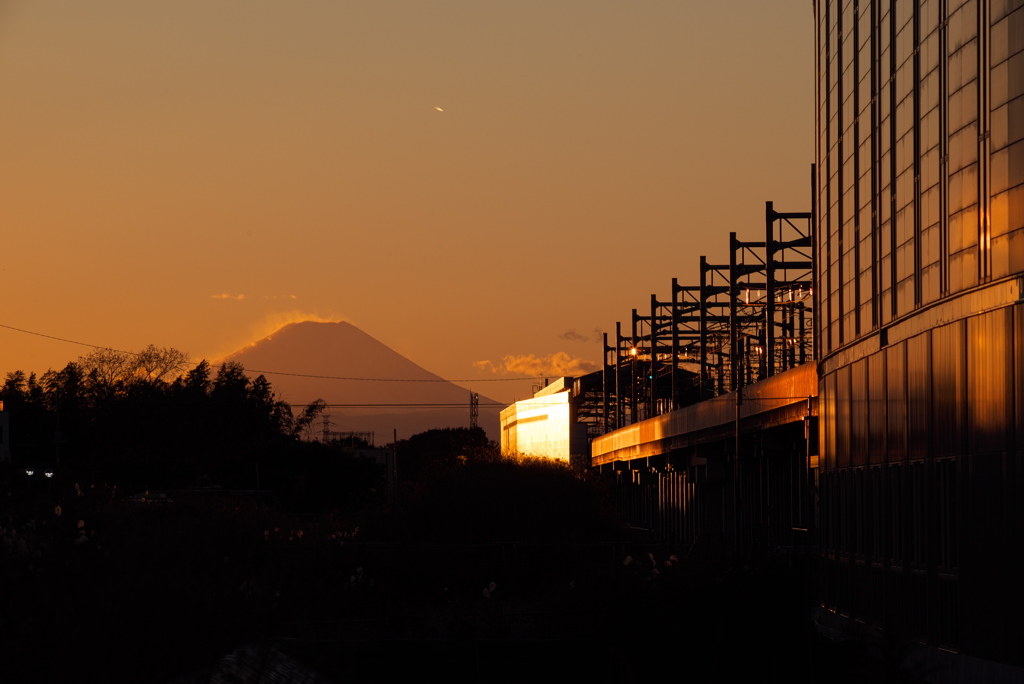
(267, 326)
(557, 364)
(573, 336)
(242, 296)
(273, 322)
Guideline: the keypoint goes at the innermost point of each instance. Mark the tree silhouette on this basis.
(440, 450)
(144, 421)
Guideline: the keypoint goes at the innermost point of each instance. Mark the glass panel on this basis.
(963, 188)
(827, 438)
(896, 384)
(989, 381)
(876, 408)
(904, 13)
(859, 412)
(1008, 213)
(948, 384)
(963, 269)
(1008, 167)
(1013, 129)
(866, 316)
(905, 260)
(919, 421)
(963, 106)
(930, 130)
(905, 296)
(1016, 250)
(999, 253)
(930, 283)
(963, 147)
(928, 17)
(929, 206)
(930, 245)
(999, 42)
(1006, 80)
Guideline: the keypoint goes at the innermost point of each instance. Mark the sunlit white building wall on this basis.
(545, 425)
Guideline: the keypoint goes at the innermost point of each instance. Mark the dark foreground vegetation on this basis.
(152, 555)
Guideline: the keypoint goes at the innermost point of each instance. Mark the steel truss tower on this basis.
(746, 320)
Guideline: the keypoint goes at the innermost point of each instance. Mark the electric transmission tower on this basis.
(326, 435)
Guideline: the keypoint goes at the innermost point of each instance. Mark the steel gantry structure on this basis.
(746, 320)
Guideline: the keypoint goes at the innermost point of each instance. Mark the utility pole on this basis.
(326, 435)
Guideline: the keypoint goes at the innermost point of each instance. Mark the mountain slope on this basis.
(388, 378)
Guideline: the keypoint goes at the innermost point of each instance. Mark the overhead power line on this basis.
(273, 372)
(461, 406)
(336, 377)
(61, 339)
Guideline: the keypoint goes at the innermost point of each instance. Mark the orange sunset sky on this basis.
(196, 174)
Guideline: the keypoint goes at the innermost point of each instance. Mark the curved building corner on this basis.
(919, 278)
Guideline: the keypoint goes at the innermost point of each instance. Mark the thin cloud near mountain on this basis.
(557, 364)
(225, 295)
(573, 336)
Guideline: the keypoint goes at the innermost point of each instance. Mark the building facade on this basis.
(919, 255)
(546, 425)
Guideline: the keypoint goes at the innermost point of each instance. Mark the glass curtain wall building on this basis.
(920, 263)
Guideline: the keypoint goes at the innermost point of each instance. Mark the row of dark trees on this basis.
(148, 421)
(145, 420)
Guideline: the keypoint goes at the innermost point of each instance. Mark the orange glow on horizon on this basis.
(190, 182)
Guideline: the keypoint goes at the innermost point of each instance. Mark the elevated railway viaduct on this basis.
(733, 475)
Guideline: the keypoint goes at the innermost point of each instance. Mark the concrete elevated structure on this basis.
(787, 398)
(729, 477)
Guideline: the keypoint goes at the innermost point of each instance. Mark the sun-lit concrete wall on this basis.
(543, 426)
